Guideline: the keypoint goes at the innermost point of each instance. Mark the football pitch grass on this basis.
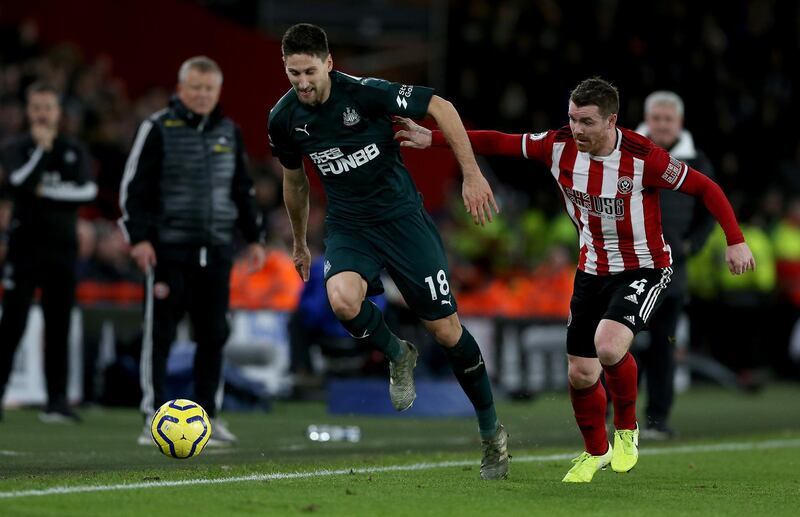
(737, 455)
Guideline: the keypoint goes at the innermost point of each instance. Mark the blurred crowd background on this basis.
(507, 65)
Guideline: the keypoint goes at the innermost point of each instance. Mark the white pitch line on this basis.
(78, 489)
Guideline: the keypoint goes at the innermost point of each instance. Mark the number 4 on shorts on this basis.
(639, 285)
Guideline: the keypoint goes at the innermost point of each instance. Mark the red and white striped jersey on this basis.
(613, 200)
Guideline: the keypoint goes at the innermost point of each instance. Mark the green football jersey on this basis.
(350, 142)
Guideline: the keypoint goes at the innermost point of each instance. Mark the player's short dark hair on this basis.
(305, 38)
(41, 87)
(596, 92)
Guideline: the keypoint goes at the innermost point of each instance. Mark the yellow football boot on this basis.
(586, 465)
(626, 449)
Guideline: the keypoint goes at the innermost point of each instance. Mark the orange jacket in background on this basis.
(276, 286)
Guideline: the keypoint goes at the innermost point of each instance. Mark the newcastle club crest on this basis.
(350, 117)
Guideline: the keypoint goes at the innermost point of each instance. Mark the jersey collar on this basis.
(613, 154)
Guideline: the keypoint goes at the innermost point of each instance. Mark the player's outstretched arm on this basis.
(478, 197)
(738, 255)
(486, 143)
(295, 197)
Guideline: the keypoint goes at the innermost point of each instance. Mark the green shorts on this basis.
(411, 251)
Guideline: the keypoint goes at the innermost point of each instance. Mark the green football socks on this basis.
(370, 325)
(470, 370)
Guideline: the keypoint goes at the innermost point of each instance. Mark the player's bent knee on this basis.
(582, 378)
(346, 293)
(345, 305)
(610, 351)
(583, 372)
(612, 341)
(606, 353)
(345, 308)
(448, 337)
(446, 331)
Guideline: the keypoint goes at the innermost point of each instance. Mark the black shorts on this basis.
(630, 298)
(411, 251)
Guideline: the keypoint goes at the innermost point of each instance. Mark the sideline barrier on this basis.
(371, 397)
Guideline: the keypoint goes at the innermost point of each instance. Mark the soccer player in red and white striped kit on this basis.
(609, 178)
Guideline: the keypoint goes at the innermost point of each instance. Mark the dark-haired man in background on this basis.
(375, 218)
(48, 176)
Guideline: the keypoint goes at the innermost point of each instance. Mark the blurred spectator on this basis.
(87, 242)
(12, 118)
(543, 292)
(48, 175)
(686, 225)
(731, 305)
(786, 242)
(20, 43)
(109, 260)
(276, 286)
(109, 294)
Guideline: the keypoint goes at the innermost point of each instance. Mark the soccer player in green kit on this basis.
(375, 218)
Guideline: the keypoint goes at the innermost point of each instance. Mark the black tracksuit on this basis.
(185, 189)
(686, 224)
(46, 188)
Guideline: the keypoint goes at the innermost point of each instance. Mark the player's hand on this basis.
(412, 135)
(144, 255)
(740, 258)
(478, 197)
(301, 256)
(255, 255)
(43, 136)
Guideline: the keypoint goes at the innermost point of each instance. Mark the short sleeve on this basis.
(661, 170)
(380, 97)
(280, 144)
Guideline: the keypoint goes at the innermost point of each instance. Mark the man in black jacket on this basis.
(48, 177)
(185, 189)
(686, 225)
